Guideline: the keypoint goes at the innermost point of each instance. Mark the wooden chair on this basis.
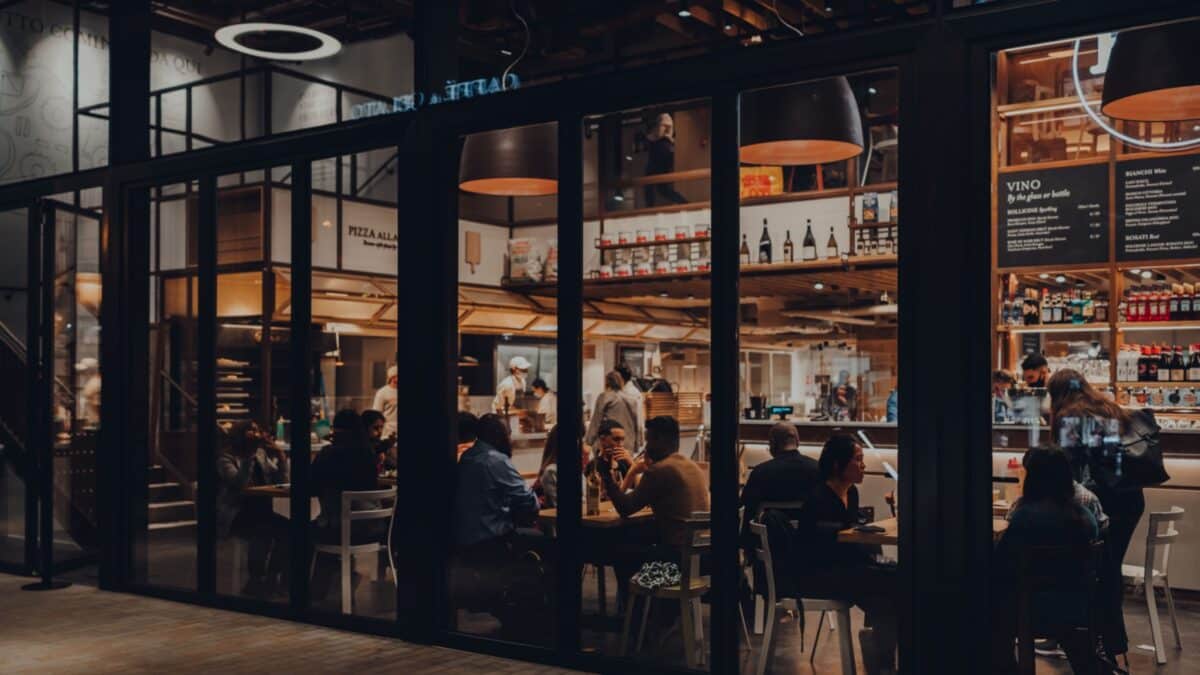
(1055, 569)
(840, 608)
(373, 510)
(692, 586)
(1147, 573)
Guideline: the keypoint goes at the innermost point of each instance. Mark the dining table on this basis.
(606, 518)
(889, 532)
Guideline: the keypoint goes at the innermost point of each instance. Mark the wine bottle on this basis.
(789, 252)
(744, 253)
(1178, 365)
(1193, 369)
(808, 248)
(764, 246)
(831, 247)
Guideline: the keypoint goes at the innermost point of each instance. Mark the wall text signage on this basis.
(453, 91)
(1053, 216)
(1158, 201)
(369, 239)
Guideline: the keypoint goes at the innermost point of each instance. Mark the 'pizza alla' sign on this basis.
(369, 240)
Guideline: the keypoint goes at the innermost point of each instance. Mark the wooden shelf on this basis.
(874, 226)
(1093, 327)
(1165, 385)
(690, 174)
(1138, 326)
(651, 244)
(786, 197)
(1043, 106)
(865, 275)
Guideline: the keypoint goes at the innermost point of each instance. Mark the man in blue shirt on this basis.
(491, 495)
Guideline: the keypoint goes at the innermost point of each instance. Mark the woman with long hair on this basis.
(1071, 396)
(1045, 515)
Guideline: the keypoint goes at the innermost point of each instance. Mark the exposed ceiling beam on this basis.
(739, 10)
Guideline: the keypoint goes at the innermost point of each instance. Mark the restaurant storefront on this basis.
(708, 207)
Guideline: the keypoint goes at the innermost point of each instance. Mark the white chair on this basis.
(839, 608)
(760, 608)
(691, 587)
(1147, 574)
(370, 502)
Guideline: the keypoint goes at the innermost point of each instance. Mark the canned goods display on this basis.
(606, 271)
(622, 237)
(682, 232)
(643, 236)
(623, 270)
(662, 234)
(642, 269)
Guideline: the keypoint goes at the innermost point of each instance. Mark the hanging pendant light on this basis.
(1153, 75)
(515, 162)
(810, 123)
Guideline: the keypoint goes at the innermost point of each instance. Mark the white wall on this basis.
(493, 252)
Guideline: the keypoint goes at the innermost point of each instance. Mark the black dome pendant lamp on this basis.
(1154, 74)
(809, 123)
(514, 162)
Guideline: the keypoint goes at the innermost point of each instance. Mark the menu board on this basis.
(1053, 216)
(1158, 203)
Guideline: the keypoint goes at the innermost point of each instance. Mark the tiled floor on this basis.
(82, 630)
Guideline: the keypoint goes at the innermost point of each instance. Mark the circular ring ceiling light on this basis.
(313, 43)
(1126, 138)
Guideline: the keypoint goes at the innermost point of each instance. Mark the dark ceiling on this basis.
(566, 37)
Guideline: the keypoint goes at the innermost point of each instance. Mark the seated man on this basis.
(672, 485)
(787, 477)
(495, 570)
(610, 448)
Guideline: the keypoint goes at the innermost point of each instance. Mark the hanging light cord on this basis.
(775, 8)
(525, 25)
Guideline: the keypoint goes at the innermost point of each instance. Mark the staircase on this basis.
(169, 508)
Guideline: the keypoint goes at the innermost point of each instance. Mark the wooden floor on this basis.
(83, 630)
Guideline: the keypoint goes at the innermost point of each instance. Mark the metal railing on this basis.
(268, 72)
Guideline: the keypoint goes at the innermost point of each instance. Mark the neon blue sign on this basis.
(453, 91)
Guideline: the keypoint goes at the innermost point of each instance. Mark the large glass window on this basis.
(646, 383)
(39, 98)
(504, 553)
(203, 92)
(818, 428)
(15, 464)
(356, 378)
(1094, 300)
(164, 521)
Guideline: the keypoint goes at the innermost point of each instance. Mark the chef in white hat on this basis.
(506, 391)
(387, 400)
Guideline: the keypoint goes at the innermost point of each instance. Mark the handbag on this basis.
(1138, 461)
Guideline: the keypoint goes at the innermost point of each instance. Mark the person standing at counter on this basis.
(614, 404)
(1002, 381)
(387, 401)
(547, 402)
(634, 392)
(787, 477)
(660, 145)
(511, 385)
(1120, 492)
(1034, 371)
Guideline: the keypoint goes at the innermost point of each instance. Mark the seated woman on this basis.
(248, 459)
(374, 424)
(1047, 514)
(346, 464)
(850, 572)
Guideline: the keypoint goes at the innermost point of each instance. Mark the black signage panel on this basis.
(1158, 204)
(1053, 216)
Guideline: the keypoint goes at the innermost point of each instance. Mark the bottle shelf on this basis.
(1134, 326)
(1055, 328)
(1158, 384)
(874, 226)
(652, 244)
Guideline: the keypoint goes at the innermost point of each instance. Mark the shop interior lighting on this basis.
(513, 162)
(802, 124)
(327, 46)
(1060, 279)
(1152, 75)
(1044, 275)
(1146, 274)
(1100, 122)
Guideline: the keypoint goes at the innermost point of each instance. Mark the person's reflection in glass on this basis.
(249, 458)
(659, 139)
